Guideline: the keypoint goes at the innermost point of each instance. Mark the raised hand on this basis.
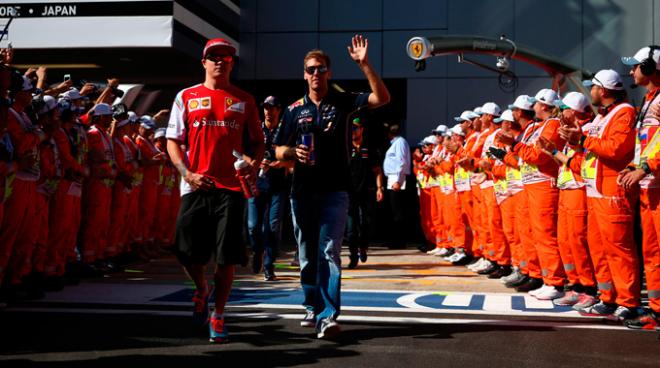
(358, 49)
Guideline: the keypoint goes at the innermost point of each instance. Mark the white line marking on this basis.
(497, 303)
(533, 303)
(457, 300)
(408, 301)
(343, 318)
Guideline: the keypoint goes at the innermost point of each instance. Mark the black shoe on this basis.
(353, 261)
(89, 271)
(363, 255)
(531, 284)
(54, 283)
(269, 275)
(500, 272)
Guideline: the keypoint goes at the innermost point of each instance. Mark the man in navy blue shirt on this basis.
(266, 210)
(321, 179)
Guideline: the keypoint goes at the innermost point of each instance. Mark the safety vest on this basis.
(49, 186)
(647, 143)
(421, 179)
(108, 153)
(489, 142)
(530, 172)
(565, 177)
(514, 180)
(138, 175)
(589, 167)
(31, 173)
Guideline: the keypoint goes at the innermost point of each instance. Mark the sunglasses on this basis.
(322, 69)
(218, 58)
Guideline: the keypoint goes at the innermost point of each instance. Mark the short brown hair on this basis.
(319, 55)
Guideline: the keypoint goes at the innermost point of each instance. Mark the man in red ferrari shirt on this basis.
(208, 121)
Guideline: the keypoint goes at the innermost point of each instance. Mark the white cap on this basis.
(72, 94)
(477, 110)
(49, 103)
(491, 108)
(431, 139)
(574, 101)
(506, 115)
(522, 102)
(641, 55)
(160, 133)
(466, 115)
(133, 117)
(147, 122)
(606, 78)
(442, 129)
(545, 96)
(456, 129)
(102, 109)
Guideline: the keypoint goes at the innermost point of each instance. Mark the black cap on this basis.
(272, 101)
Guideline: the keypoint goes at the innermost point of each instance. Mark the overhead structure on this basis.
(422, 48)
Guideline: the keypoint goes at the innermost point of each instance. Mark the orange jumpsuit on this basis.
(572, 226)
(451, 210)
(121, 195)
(539, 172)
(64, 206)
(164, 206)
(480, 211)
(97, 201)
(424, 205)
(464, 192)
(149, 194)
(16, 230)
(51, 172)
(133, 225)
(609, 146)
(648, 150)
(509, 180)
(498, 250)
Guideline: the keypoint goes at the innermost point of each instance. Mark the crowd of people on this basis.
(86, 187)
(543, 195)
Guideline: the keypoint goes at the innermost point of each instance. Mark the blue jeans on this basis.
(264, 222)
(319, 220)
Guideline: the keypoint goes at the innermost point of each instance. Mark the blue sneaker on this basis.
(201, 307)
(218, 333)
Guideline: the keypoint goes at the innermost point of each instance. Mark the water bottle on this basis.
(243, 171)
(262, 171)
(308, 140)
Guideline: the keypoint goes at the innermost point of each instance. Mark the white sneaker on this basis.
(536, 291)
(434, 251)
(476, 265)
(514, 275)
(487, 267)
(549, 293)
(457, 257)
(443, 252)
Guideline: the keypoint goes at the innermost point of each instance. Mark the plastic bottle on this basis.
(245, 177)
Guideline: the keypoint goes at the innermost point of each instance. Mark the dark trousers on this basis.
(397, 205)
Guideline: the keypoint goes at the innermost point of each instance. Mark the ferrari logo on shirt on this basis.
(232, 105)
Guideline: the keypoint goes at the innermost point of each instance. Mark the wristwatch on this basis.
(645, 166)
